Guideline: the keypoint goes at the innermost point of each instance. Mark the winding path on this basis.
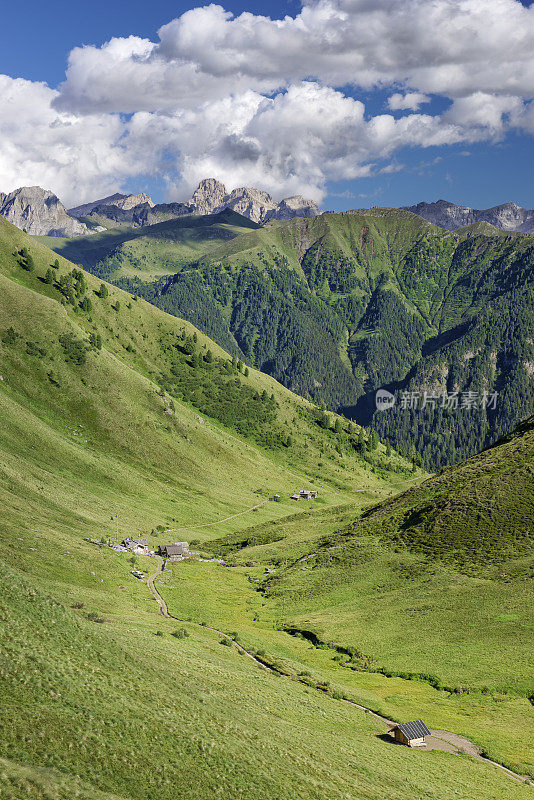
(165, 612)
(452, 742)
(218, 521)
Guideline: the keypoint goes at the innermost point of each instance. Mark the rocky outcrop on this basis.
(40, 213)
(252, 203)
(296, 206)
(134, 200)
(507, 217)
(123, 201)
(210, 197)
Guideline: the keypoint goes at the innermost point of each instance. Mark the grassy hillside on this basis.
(416, 606)
(154, 250)
(99, 698)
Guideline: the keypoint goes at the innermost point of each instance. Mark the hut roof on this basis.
(175, 549)
(414, 730)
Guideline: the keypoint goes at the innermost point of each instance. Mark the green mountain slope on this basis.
(339, 306)
(154, 250)
(452, 554)
(421, 602)
(99, 699)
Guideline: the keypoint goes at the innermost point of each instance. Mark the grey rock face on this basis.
(86, 208)
(210, 197)
(296, 206)
(134, 200)
(124, 201)
(40, 212)
(508, 216)
(252, 203)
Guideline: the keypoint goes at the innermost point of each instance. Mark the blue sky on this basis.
(474, 154)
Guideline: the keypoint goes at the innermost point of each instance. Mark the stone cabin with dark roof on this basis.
(174, 552)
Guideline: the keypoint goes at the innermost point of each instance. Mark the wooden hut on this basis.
(411, 733)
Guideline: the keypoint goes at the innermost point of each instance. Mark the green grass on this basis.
(152, 251)
(422, 588)
(112, 709)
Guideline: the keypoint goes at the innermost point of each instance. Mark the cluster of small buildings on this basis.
(138, 546)
(305, 494)
(172, 552)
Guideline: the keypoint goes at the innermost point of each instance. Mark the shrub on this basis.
(10, 336)
(74, 349)
(180, 633)
(226, 642)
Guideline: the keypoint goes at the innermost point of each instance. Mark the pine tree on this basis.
(103, 291)
(49, 277)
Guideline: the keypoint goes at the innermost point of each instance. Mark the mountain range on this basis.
(41, 213)
(507, 217)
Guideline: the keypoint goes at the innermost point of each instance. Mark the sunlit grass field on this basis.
(99, 699)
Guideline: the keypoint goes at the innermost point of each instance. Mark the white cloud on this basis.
(72, 155)
(485, 111)
(409, 101)
(448, 47)
(256, 101)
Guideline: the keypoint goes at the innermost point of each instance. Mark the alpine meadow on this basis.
(267, 452)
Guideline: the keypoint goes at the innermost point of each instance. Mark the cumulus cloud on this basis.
(72, 155)
(409, 101)
(448, 47)
(252, 100)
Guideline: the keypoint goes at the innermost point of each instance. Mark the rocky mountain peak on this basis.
(297, 206)
(209, 197)
(39, 212)
(123, 201)
(134, 200)
(256, 204)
